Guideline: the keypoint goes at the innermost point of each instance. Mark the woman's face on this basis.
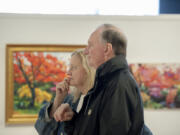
(76, 72)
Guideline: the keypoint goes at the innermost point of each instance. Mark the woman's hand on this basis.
(62, 89)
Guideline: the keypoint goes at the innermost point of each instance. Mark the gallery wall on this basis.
(151, 39)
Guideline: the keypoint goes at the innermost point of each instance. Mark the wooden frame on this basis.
(13, 54)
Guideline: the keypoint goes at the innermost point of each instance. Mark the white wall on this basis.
(151, 39)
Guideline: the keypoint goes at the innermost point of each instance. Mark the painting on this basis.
(159, 84)
(32, 72)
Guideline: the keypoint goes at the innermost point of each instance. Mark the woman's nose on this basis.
(69, 72)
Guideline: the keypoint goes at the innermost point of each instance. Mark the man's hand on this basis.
(63, 113)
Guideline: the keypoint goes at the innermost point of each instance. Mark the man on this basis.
(113, 106)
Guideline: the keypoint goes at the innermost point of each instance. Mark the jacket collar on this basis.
(116, 63)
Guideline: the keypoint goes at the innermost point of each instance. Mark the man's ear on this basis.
(108, 49)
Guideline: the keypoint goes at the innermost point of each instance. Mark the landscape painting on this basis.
(31, 77)
(159, 84)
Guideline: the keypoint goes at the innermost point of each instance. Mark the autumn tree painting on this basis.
(35, 73)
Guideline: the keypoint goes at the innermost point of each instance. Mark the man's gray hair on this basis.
(111, 34)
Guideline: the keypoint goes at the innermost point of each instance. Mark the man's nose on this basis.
(85, 51)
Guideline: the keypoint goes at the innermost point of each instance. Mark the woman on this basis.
(80, 79)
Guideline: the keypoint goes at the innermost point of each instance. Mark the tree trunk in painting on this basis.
(29, 84)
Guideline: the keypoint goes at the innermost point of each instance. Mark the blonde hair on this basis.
(89, 70)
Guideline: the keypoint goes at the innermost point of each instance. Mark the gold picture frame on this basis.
(15, 56)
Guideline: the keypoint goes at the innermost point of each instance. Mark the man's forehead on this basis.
(94, 34)
(90, 38)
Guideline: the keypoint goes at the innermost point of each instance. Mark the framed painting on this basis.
(159, 84)
(32, 72)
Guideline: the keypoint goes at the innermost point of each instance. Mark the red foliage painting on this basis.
(35, 74)
(32, 72)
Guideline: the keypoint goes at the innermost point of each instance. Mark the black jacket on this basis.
(113, 106)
